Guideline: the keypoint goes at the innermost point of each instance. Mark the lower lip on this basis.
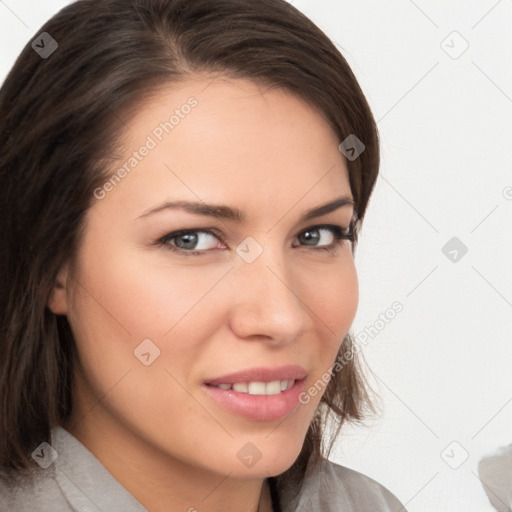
(258, 407)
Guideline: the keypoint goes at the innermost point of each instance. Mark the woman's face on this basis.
(156, 318)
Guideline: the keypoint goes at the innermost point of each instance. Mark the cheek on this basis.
(333, 299)
(139, 294)
(333, 296)
(124, 299)
(122, 302)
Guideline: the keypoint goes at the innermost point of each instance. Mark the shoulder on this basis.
(71, 480)
(361, 489)
(331, 487)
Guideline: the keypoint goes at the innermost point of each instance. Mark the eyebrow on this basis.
(234, 214)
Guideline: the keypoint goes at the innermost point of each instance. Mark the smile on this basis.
(259, 388)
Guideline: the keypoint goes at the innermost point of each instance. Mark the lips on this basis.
(260, 374)
(258, 394)
(257, 407)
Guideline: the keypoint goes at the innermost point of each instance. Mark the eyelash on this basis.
(339, 233)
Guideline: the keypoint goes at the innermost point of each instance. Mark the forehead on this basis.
(228, 141)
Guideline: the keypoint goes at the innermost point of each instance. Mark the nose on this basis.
(268, 302)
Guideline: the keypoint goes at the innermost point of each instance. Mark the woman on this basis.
(183, 184)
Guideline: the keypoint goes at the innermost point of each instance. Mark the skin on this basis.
(271, 155)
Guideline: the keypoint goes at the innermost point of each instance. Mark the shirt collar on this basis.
(84, 481)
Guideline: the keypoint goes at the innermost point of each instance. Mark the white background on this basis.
(442, 365)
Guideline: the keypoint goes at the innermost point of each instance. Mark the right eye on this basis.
(190, 241)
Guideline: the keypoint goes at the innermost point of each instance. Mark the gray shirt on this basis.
(76, 481)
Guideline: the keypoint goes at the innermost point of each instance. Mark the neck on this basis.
(158, 481)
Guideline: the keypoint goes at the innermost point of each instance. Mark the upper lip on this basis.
(261, 374)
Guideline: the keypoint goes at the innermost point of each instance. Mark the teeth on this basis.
(259, 388)
(285, 384)
(272, 388)
(256, 388)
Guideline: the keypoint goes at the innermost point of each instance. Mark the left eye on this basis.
(196, 241)
(313, 235)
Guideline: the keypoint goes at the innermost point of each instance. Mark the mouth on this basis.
(257, 388)
(261, 375)
(261, 394)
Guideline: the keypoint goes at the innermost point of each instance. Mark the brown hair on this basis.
(60, 118)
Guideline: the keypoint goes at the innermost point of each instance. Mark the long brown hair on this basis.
(60, 120)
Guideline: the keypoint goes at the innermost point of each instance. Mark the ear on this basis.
(58, 299)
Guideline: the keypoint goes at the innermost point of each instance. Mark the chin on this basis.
(262, 457)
